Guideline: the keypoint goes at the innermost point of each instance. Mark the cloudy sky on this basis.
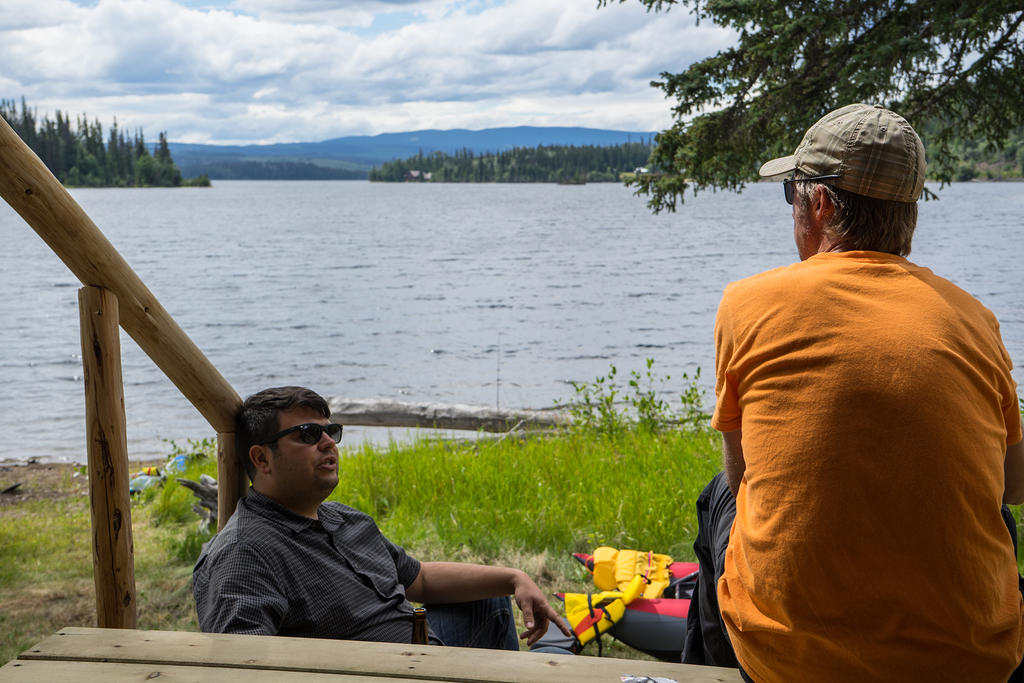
(255, 71)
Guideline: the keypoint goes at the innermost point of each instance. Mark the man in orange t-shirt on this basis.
(871, 433)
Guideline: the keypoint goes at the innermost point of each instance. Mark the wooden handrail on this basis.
(38, 197)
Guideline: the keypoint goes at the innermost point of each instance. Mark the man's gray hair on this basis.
(861, 222)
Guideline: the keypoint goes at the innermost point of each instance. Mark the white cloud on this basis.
(342, 13)
(26, 14)
(262, 70)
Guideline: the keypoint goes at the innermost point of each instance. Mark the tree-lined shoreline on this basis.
(542, 164)
(84, 157)
(79, 153)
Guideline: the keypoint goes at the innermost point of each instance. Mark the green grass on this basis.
(620, 478)
(46, 573)
(37, 545)
(46, 580)
(563, 493)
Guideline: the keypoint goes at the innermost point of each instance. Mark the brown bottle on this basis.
(419, 626)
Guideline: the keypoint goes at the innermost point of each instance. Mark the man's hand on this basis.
(537, 612)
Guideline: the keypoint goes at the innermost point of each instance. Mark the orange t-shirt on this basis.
(876, 404)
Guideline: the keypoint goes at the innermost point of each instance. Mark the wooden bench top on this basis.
(93, 654)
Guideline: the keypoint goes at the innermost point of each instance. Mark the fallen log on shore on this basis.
(390, 413)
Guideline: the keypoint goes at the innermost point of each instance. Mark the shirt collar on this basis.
(860, 255)
(329, 518)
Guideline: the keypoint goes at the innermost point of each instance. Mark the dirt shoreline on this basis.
(50, 480)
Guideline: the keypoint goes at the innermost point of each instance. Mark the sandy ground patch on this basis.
(49, 481)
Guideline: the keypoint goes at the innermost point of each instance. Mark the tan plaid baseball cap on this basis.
(875, 152)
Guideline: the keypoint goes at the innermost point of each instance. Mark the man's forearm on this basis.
(1013, 474)
(445, 582)
(732, 459)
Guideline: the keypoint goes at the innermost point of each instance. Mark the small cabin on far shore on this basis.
(416, 176)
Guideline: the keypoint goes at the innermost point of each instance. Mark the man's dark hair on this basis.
(257, 419)
(865, 222)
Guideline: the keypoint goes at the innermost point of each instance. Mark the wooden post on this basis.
(232, 481)
(111, 506)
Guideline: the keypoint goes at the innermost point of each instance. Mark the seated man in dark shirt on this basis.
(289, 564)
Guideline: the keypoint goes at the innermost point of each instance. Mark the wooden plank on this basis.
(45, 671)
(107, 447)
(31, 190)
(460, 665)
(389, 413)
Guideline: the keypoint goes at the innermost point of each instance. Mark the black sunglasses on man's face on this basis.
(790, 191)
(309, 433)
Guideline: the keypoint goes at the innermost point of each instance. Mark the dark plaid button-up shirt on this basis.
(271, 571)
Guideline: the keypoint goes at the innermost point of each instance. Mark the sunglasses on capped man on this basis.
(790, 191)
(309, 433)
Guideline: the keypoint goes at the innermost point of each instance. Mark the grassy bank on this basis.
(533, 495)
(46, 579)
(519, 501)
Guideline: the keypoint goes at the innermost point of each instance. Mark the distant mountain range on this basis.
(353, 156)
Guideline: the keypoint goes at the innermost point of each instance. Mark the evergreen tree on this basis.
(162, 153)
(115, 160)
(957, 64)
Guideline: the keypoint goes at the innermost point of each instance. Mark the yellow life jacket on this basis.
(591, 614)
(615, 569)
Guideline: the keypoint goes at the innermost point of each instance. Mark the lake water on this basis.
(452, 293)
